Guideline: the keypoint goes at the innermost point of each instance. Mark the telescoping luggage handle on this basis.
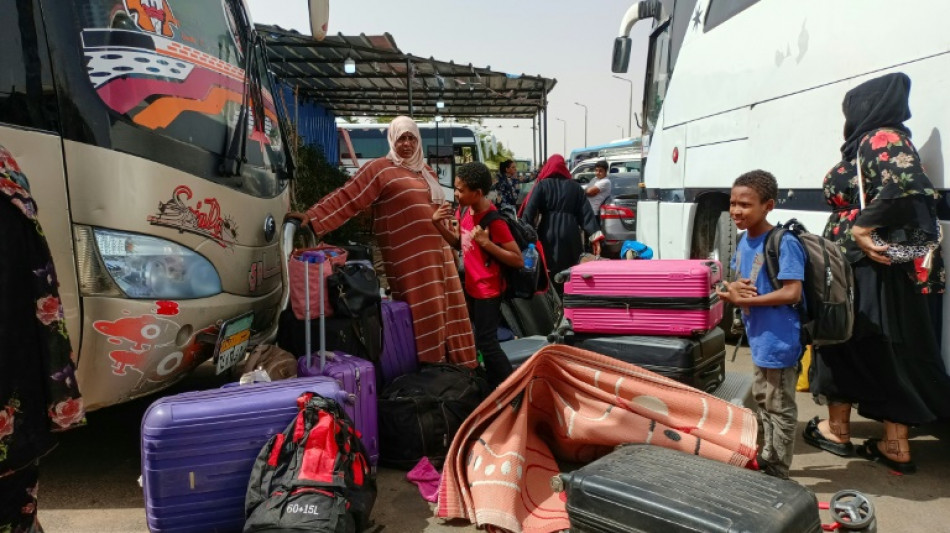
(291, 226)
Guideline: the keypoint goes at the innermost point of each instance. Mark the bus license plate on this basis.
(232, 342)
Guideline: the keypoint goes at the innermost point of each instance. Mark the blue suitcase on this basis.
(399, 342)
(198, 449)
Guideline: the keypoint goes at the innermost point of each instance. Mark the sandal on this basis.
(871, 452)
(814, 437)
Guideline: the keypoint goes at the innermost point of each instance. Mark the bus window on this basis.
(27, 97)
(464, 154)
(720, 11)
(367, 143)
(658, 75)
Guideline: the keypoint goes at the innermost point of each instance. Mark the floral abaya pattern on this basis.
(891, 169)
(25, 405)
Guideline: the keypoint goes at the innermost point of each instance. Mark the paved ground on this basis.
(89, 484)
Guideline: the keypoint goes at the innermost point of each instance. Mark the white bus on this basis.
(735, 85)
(444, 146)
(153, 148)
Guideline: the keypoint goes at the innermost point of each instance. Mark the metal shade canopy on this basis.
(389, 82)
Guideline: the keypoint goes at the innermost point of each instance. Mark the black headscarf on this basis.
(877, 103)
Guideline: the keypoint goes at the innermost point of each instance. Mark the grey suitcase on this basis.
(643, 488)
(520, 350)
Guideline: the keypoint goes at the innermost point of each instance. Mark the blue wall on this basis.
(315, 125)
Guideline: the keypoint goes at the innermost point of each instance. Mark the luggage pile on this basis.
(661, 315)
(306, 431)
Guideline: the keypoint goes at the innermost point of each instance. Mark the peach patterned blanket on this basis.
(570, 405)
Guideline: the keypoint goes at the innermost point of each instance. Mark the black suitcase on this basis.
(699, 363)
(529, 316)
(362, 337)
(520, 350)
(644, 488)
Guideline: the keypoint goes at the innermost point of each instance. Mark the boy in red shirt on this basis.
(484, 251)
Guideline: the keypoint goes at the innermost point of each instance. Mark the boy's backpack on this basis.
(828, 289)
(519, 283)
(313, 477)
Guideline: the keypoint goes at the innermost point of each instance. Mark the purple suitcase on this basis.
(198, 449)
(399, 342)
(674, 297)
(357, 377)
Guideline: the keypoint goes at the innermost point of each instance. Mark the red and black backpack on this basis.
(313, 477)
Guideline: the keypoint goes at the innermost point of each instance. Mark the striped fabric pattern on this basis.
(419, 264)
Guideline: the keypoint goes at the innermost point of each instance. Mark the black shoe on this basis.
(816, 439)
(871, 452)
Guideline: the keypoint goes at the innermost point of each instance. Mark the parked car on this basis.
(615, 163)
(618, 213)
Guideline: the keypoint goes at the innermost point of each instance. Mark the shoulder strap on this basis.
(773, 242)
(489, 217)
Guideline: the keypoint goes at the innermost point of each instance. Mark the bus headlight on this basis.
(148, 267)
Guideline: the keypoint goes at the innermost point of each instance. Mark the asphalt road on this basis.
(89, 484)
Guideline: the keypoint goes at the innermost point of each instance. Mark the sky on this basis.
(569, 40)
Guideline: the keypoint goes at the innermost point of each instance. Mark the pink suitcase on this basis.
(656, 297)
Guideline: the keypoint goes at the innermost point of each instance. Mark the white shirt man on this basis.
(599, 189)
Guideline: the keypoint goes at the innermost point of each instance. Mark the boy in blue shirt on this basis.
(772, 324)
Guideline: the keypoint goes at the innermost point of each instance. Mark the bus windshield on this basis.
(183, 70)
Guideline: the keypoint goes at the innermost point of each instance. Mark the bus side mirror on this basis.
(319, 17)
(621, 59)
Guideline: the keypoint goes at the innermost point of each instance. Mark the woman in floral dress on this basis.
(38, 393)
(891, 368)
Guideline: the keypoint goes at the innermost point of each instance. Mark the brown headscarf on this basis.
(416, 162)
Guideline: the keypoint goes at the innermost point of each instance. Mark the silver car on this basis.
(618, 213)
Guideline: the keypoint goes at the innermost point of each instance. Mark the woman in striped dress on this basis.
(403, 192)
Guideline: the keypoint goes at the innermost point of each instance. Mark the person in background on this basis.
(403, 193)
(565, 212)
(772, 324)
(485, 251)
(504, 191)
(599, 188)
(891, 367)
(38, 391)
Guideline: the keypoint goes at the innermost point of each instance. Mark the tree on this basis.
(314, 178)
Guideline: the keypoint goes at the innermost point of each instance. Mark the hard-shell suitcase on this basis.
(642, 488)
(657, 297)
(399, 355)
(520, 350)
(529, 316)
(198, 449)
(736, 389)
(697, 362)
(355, 375)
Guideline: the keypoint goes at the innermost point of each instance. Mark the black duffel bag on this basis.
(353, 288)
(420, 413)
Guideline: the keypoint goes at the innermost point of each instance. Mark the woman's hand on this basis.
(442, 213)
(862, 236)
(302, 217)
